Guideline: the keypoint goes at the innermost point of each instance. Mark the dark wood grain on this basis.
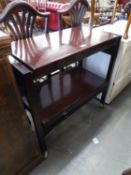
(66, 87)
(71, 44)
(60, 95)
(19, 150)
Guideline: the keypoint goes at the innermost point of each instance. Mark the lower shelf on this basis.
(67, 91)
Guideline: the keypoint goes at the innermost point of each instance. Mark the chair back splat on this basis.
(20, 17)
(76, 10)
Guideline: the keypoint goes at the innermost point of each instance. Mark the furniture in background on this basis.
(108, 11)
(123, 2)
(19, 149)
(52, 7)
(127, 27)
(20, 17)
(73, 14)
(127, 172)
(3, 4)
(121, 75)
(97, 17)
(53, 99)
(55, 6)
(104, 8)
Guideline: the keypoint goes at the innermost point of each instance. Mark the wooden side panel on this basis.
(19, 151)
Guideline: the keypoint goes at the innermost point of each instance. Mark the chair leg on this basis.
(102, 105)
(46, 154)
(102, 100)
(127, 172)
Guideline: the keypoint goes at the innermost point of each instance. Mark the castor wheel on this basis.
(46, 154)
(102, 105)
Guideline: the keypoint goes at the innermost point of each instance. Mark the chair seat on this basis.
(51, 7)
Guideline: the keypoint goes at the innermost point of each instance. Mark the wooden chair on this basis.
(107, 11)
(125, 36)
(3, 4)
(127, 172)
(20, 19)
(18, 145)
(114, 11)
(127, 27)
(73, 14)
(38, 4)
